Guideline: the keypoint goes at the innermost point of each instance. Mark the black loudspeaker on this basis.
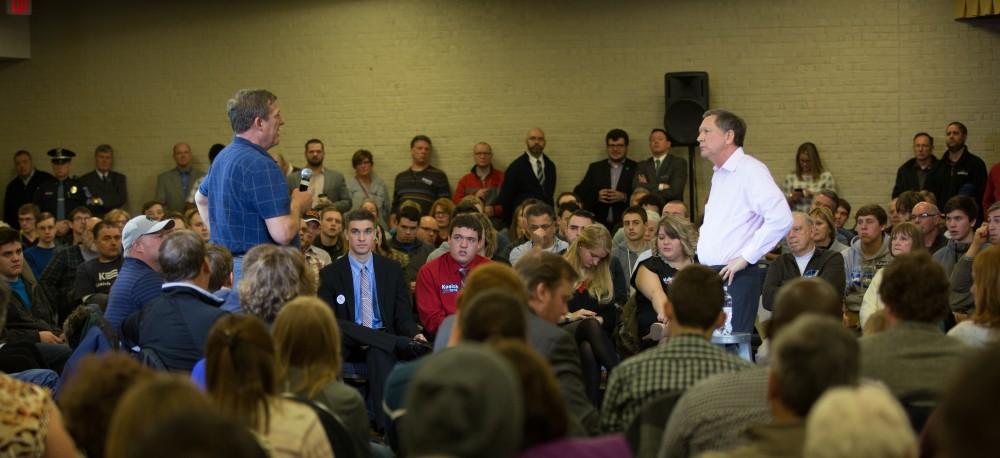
(687, 100)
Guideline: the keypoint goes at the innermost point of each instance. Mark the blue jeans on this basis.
(41, 377)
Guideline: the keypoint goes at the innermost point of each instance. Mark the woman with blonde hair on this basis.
(119, 217)
(674, 248)
(272, 276)
(824, 230)
(980, 329)
(307, 339)
(906, 237)
(600, 290)
(241, 380)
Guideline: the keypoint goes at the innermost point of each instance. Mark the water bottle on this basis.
(727, 308)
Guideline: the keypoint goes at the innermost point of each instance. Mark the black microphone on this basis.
(304, 178)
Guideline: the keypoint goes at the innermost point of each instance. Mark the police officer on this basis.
(64, 193)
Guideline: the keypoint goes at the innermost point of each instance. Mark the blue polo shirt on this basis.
(244, 187)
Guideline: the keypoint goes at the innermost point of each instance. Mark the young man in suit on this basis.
(531, 175)
(608, 182)
(371, 301)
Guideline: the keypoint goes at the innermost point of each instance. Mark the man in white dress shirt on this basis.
(745, 217)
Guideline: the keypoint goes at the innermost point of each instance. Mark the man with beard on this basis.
(328, 186)
(531, 175)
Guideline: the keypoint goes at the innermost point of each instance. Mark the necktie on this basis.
(540, 171)
(656, 164)
(367, 317)
(462, 271)
(61, 202)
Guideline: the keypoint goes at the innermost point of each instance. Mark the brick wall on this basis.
(857, 77)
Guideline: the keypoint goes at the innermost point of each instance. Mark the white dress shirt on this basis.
(746, 214)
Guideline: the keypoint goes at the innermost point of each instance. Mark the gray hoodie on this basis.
(859, 270)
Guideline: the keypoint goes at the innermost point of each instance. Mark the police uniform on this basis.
(54, 195)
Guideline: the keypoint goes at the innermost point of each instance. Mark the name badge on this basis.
(427, 181)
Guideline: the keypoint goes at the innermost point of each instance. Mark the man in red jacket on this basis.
(440, 281)
(483, 181)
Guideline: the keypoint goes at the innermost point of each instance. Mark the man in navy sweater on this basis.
(139, 279)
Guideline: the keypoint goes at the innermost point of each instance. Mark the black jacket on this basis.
(907, 180)
(828, 265)
(336, 288)
(176, 324)
(520, 183)
(598, 177)
(23, 324)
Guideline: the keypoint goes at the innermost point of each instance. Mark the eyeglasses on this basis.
(925, 215)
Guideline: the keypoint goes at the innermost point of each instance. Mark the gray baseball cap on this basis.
(139, 226)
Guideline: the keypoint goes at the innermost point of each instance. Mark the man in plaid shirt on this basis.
(696, 299)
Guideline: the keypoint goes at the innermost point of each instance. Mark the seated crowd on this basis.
(498, 319)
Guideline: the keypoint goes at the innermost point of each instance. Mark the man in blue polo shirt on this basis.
(243, 199)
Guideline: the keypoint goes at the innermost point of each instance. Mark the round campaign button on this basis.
(341, 299)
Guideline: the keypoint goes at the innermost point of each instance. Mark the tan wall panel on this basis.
(857, 77)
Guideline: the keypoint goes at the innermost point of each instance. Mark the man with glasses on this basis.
(541, 219)
(428, 230)
(608, 183)
(928, 217)
(913, 174)
(483, 181)
(139, 279)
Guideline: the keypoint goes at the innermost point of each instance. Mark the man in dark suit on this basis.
(107, 188)
(606, 187)
(663, 173)
(371, 301)
(549, 279)
(62, 194)
(531, 175)
(21, 189)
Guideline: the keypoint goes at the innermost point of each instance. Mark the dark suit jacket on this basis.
(520, 183)
(336, 281)
(673, 171)
(598, 177)
(560, 350)
(18, 194)
(113, 192)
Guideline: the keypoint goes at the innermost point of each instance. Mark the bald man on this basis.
(928, 217)
(174, 186)
(531, 175)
